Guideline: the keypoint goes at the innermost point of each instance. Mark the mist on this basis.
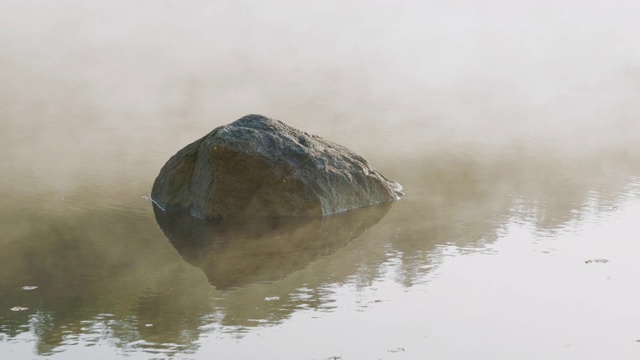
(88, 85)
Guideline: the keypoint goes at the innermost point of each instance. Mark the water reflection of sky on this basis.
(116, 283)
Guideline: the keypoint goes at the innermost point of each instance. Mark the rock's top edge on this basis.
(262, 123)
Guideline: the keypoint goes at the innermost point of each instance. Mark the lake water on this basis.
(513, 127)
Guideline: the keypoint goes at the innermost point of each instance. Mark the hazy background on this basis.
(88, 85)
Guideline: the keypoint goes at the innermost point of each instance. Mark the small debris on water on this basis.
(396, 350)
(598, 261)
(27, 287)
(19, 308)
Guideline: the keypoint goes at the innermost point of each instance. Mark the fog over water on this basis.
(512, 125)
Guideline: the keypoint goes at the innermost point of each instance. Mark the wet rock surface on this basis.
(262, 167)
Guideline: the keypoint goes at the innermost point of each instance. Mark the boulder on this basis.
(258, 166)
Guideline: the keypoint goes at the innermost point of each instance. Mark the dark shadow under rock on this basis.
(258, 166)
(243, 251)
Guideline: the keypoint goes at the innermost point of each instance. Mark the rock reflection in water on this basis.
(244, 251)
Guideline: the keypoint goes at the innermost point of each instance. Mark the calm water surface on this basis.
(513, 129)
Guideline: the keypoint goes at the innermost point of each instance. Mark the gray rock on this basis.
(262, 167)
